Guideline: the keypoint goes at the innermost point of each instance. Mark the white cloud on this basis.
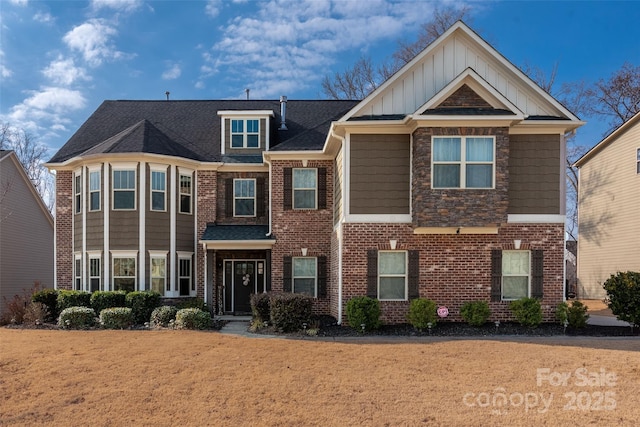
(19, 2)
(213, 7)
(93, 40)
(43, 17)
(118, 5)
(63, 71)
(172, 73)
(5, 73)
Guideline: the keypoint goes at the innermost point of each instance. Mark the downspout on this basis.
(205, 272)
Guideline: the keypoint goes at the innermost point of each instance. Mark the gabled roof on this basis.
(633, 121)
(192, 129)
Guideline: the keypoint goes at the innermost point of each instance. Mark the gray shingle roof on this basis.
(191, 129)
(236, 232)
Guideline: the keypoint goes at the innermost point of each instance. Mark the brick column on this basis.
(206, 200)
(64, 230)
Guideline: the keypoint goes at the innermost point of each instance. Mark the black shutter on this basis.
(322, 188)
(288, 188)
(267, 271)
(228, 195)
(537, 273)
(372, 273)
(260, 196)
(496, 275)
(414, 274)
(322, 276)
(286, 274)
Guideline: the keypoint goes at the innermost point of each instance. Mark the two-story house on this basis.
(446, 182)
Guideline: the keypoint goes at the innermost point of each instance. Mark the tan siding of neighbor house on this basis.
(609, 214)
(379, 174)
(534, 174)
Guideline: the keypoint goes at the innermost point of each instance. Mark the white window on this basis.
(245, 133)
(124, 273)
(463, 162)
(304, 276)
(305, 188)
(516, 268)
(185, 193)
(94, 273)
(244, 197)
(158, 190)
(77, 273)
(392, 275)
(186, 285)
(159, 274)
(78, 193)
(94, 190)
(124, 189)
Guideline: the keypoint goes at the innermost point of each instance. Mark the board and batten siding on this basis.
(534, 174)
(338, 179)
(379, 175)
(609, 214)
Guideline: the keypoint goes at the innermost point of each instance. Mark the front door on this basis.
(242, 278)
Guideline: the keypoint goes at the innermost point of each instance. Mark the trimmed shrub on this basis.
(527, 311)
(575, 314)
(260, 307)
(107, 299)
(116, 318)
(48, 297)
(422, 313)
(363, 311)
(68, 299)
(142, 304)
(192, 318)
(163, 315)
(475, 313)
(623, 296)
(77, 318)
(289, 311)
(191, 303)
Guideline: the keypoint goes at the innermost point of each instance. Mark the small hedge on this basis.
(68, 299)
(162, 316)
(290, 311)
(192, 318)
(48, 297)
(142, 304)
(527, 311)
(422, 313)
(77, 318)
(475, 313)
(116, 318)
(107, 299)
(623, 296)
(363, 311)
(260, 307)
(575, 315)
(191, 303)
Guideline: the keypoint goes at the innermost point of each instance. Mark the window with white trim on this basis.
(516, 274)
(77, 273)
(244, 197)
(463, 162)
(124, 189)
(245, 133)
(94, 190)
(159, 274)
(158, 191)
(305, 184)
(78, 192)
(95, 275)
(124, 273)
(185, 193)
(304, 275)
(392, 275)
(185, 284)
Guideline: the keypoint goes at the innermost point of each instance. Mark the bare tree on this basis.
(353, 83)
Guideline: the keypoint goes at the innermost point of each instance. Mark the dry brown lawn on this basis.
(187, 378)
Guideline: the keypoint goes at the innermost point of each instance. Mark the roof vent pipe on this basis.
(283, 113)
(167, 93)
(247, 92)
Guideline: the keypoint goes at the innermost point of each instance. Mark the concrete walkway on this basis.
(600, 320)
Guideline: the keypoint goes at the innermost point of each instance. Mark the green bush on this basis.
(77, 318)
(422, 313)
(48, 297)
(475, 313)
(191, 303)
(623, 296)
(260, 307)
(575, 314)
(142, 304)
(527, 311)
(107, 299)
(68, 299)
(363, 311)
(289, 311)
(116, 318)
(192, 318)
(163, 315)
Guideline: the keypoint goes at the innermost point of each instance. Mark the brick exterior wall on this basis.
(454, 269)
(464, 97)
(206, 198)
(458, 207)
(64, 229)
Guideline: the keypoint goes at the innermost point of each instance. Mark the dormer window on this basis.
(245, 133)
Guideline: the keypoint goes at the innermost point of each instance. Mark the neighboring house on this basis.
(609, 209)
(447, 182)
(26, 232)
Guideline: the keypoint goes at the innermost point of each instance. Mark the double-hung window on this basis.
(245, 133)
(304, 276)
(158, 190)
(78, 193)
(392, 275)
(305, 188)
(463, 162)
(184, 275)
(124, 189)
(244, 197)
(77, 273)
(94, 190)
(124, 273)
(159, 273)
(185, 193)
(516, 273)
(94, 273)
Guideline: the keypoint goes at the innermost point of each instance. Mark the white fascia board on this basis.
(128, 157)
(296, 155)
(536, 219)
(238, 244)
(464, 121)
(244, 113)
(545, 127)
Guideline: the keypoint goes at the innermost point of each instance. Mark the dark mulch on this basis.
(216, 325)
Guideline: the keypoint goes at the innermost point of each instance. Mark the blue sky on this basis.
(60, 59)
